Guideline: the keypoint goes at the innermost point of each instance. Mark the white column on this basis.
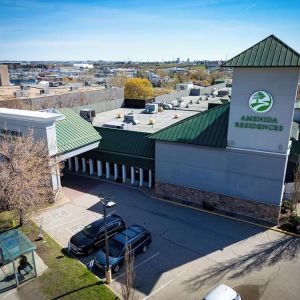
(150, 178)
(116, 171)
(76, 164)
(107, 168)
(83, 165)
(132, 175)
(91, 163)
(99, 168)
(141, 176)
(124, 173)
(58, 180)
(70, 163)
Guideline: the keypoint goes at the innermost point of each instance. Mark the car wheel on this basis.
(116, 268)
(90, 251)
(144, 249)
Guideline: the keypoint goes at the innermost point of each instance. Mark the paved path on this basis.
(191, 251)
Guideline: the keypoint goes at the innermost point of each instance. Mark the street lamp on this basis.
(106, 204)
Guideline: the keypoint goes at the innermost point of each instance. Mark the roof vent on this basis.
(131, 119)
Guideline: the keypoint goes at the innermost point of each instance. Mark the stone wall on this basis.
(263, 212)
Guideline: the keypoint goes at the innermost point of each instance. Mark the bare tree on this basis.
(118, 80)
(25, 169)
(128, 292)
(296, 188)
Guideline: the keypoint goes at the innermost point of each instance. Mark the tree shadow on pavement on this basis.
(265, 255)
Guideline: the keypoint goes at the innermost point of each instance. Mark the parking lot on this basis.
(191, 252)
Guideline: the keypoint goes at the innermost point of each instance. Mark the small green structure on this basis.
(17, 263)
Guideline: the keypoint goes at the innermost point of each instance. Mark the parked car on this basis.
(92, 236)
(222, 292)
(135, 238)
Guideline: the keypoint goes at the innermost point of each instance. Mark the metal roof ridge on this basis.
(231, 63)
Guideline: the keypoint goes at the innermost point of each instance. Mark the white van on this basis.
(222, 292)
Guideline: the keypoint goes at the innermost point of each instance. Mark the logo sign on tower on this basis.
(260, 102)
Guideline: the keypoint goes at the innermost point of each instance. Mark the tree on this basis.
(128, 291)
(25, 169)
(137, 88)
(118, 80)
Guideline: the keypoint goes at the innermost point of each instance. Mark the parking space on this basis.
(191, 250)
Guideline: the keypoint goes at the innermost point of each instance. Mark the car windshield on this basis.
(92, 229)
(115, 248)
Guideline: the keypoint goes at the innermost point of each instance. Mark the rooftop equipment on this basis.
(116, 125)
(151, 108)
(88, 114)
(130, 118)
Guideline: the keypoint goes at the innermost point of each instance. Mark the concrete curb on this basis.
(274, 228)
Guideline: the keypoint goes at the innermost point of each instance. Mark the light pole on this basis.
(106, 204)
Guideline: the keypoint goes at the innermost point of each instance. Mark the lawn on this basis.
(65, 278)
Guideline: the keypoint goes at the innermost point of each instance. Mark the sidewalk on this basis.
(13, 294)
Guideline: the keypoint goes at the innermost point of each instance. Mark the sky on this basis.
(138, 30)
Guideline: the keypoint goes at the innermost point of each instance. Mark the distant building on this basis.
(4, 77)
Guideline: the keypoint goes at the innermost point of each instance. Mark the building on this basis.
(4, 76)
(232, 157)
(66, 133)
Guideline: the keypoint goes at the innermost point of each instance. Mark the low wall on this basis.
(110, 98)
(101, 106)
(264, 212)
(172, 96)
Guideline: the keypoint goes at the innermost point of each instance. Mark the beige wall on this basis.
(4, 77)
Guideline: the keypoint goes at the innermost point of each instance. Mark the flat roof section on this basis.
(22, 114)
(162, 119)
(7, 92)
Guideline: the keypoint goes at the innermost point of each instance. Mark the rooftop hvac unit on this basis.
(44, 91)
(25, 87)
(115, 125)
(151, 108)
(131, 119)
(73, 88)
(22, 93)
(88, 114)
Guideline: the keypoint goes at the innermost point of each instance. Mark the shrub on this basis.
(208, 206)
(294, 220)
(286, 206)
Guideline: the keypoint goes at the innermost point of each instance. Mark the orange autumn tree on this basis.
(138, 88)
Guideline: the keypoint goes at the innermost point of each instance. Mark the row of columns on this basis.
(107, 170)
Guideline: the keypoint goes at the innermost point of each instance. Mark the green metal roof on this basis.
(125, 141)
(74, 132)
(208, 128)
(270, 52)
(126, 147)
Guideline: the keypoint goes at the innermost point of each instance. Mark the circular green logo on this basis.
(260, 102)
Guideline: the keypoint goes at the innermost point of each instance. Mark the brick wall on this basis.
(255, 210)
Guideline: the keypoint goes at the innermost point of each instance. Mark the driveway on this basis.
(192, 251)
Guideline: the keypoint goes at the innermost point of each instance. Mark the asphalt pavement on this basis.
(191, 252)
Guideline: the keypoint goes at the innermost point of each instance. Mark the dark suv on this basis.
(92, 235)
(135, 238)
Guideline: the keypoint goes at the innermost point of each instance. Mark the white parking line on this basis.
(138, 265)
(56, 226)
(163, 286)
